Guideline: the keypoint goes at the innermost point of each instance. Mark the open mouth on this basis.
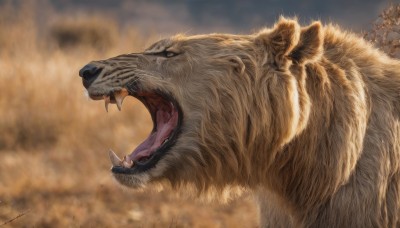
(167, 118)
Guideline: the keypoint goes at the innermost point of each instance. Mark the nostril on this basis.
(89, 73)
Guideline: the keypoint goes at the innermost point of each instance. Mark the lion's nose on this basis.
(89, 73)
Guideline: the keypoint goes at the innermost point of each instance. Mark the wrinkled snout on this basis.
(89, 73)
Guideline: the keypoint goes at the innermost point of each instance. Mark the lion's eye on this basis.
(169, 54)
(165, 54)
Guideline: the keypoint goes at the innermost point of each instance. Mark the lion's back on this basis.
(368, 86)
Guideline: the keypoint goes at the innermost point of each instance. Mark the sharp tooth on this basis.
(106, 101)
(118, 102)
(115, 160)
(120, 96)
(127, 163)
(165, 140)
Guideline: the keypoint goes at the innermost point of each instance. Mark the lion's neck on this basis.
(330, 90)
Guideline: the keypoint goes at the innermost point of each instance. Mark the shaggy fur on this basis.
(305, 117)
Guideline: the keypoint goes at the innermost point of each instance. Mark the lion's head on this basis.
(222, 105)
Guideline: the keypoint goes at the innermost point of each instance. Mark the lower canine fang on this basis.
(115, 160)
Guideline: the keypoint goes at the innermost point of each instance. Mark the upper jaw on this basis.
(110, 95)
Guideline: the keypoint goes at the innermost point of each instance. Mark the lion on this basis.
(306, 118)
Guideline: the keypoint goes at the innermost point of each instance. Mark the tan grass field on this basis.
(54, 167)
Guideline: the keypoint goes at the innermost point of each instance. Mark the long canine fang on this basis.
(106, 101)
(115, 160)
(119, 103)
(120, 96)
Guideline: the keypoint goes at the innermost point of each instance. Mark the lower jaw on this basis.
(132, 181)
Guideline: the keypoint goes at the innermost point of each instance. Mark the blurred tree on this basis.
(386, 31)
(94, 32)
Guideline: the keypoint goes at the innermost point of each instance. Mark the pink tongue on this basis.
(165, 125)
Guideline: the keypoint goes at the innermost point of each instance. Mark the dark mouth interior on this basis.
(165, 119)
(166, 116)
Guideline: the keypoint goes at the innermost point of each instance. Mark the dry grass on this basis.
(54, 141)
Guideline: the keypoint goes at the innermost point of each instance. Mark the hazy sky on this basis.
(240, 16)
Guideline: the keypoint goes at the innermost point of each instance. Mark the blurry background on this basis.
(54, 168)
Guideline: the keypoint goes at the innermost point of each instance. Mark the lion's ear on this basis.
(238, 64)
(287, 41)
(280, 41)
(310, 45)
